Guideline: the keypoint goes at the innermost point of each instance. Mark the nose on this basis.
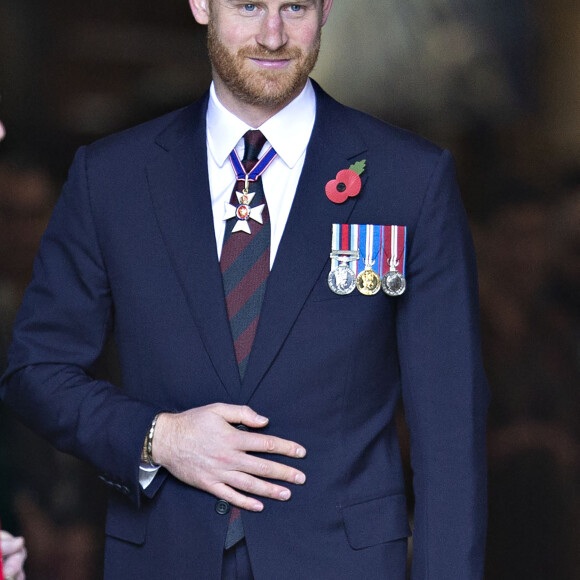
(272, 34)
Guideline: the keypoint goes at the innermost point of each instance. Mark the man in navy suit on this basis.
(297, 434)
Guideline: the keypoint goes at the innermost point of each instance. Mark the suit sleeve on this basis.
(444, 387)
(66, 315)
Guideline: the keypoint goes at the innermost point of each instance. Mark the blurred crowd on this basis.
(528, 248)
(49, 497)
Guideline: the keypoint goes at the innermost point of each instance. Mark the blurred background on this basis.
(497, 82)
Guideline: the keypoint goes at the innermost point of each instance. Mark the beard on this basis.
(264, 88)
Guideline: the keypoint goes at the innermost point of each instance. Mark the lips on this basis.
(271, 63)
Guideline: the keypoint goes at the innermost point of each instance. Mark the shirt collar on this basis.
(288, 131)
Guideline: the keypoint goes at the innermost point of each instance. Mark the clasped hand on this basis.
(204, 449)
(13, 556)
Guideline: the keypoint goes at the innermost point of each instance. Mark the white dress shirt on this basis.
(288, 131)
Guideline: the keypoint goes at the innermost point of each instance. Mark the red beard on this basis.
(268, 88)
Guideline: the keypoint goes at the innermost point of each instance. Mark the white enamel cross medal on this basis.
(244, 212)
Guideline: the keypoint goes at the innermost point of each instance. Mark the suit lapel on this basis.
(179, 187)
(306, 243)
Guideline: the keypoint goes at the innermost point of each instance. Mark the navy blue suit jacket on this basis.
(131, 250)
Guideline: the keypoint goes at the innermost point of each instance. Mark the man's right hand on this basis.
(203, 448)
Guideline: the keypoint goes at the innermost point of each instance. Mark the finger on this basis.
(240, 414)
(235, 498)
(259, 443)
(7, 537)
(265, 469)
(13, 564)
(10, 544)
(255, 486)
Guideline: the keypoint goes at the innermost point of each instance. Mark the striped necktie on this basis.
(245, 258)
(245, 265)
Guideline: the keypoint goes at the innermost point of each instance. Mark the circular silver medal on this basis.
(342, 280)
(393, 284)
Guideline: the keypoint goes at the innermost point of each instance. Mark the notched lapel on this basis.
(305, 247)
(179, 187)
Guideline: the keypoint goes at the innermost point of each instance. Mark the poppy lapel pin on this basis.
(346, 184)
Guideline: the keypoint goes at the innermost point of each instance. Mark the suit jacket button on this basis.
(222, 507)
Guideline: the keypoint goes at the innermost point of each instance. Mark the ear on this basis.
(326, 6)
(200, 10)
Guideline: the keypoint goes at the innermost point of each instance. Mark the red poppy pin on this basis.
(347, 183)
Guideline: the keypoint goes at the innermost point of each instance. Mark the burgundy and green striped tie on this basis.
(245, 259)
(245, 265)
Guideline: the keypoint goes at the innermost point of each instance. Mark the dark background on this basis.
(495, 81)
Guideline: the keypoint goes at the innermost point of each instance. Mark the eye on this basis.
(249, 7)
(295, 9)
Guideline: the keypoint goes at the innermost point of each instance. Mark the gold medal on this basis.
(368, 282)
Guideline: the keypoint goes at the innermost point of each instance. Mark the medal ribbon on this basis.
(353, 245)
(258, 169)
(382, 242)
(371, 236)
(335, 244)
(382, 267)
(394, 246)
(344, 239)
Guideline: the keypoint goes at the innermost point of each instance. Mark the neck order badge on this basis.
(246, 173)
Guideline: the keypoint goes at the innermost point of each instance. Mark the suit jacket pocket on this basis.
(127, 522)
(376, 521)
